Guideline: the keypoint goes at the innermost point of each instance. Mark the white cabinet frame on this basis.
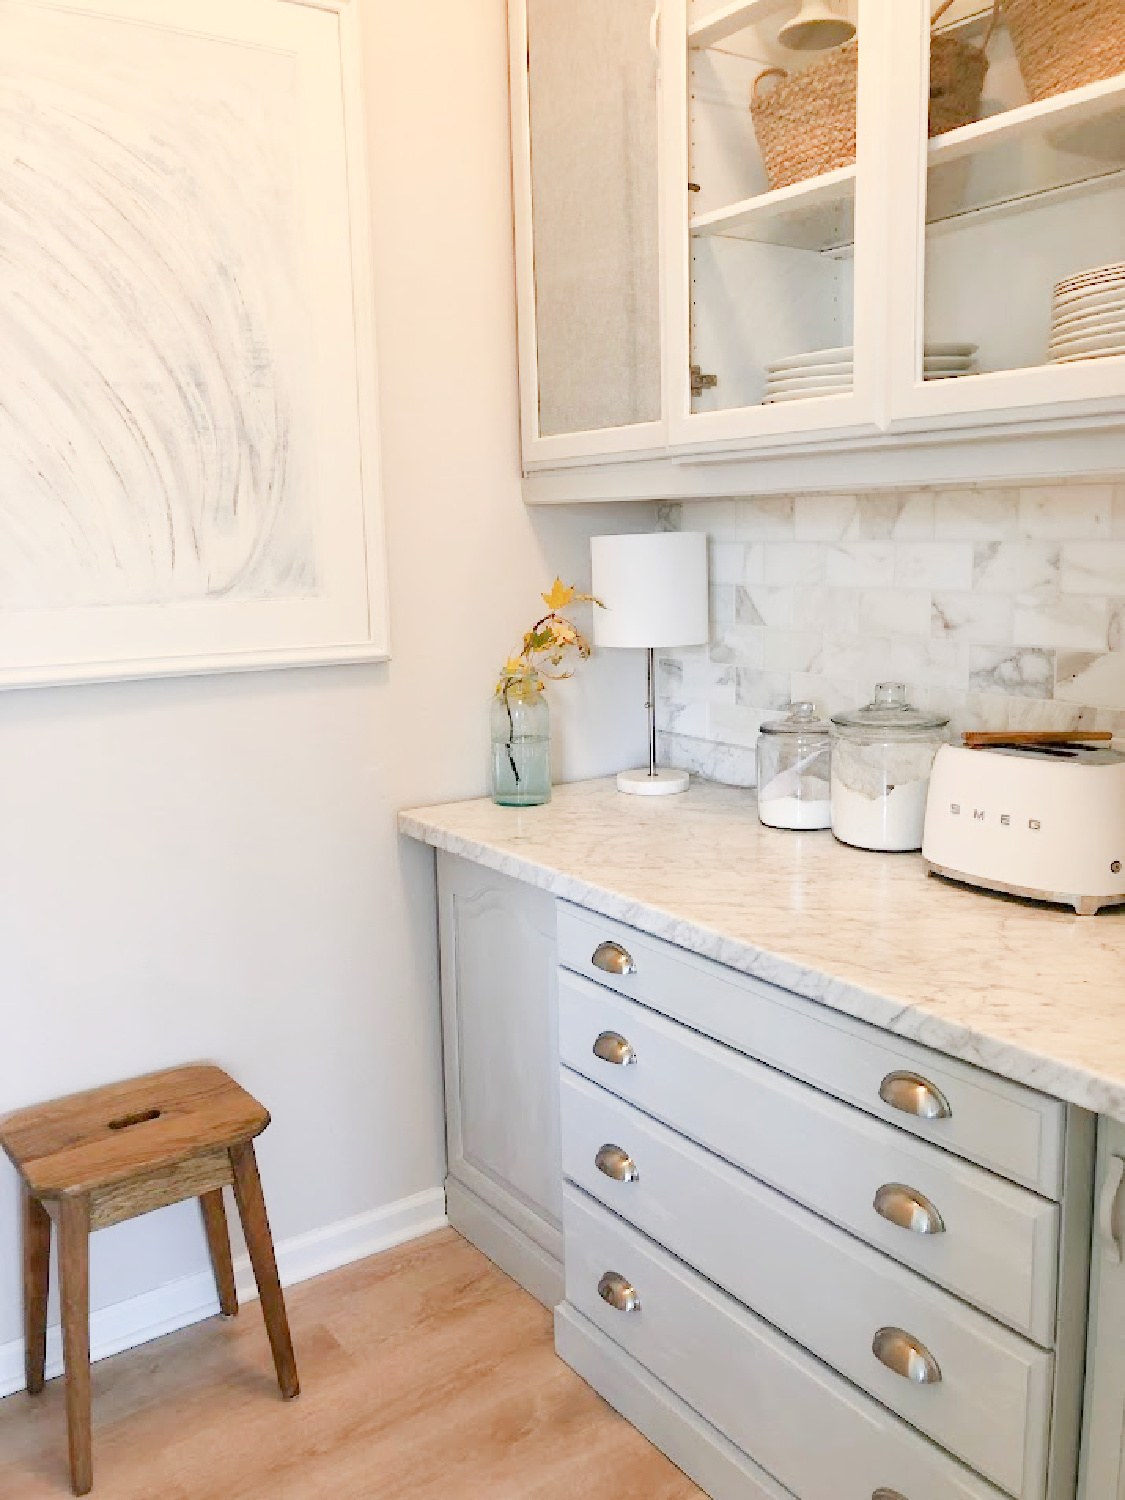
(1015, 425)
(771, 426)
(1033, 396)
(640, 439)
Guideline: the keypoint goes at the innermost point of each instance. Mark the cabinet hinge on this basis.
(701, 382)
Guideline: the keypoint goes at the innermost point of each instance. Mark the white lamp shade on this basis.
(654, 588)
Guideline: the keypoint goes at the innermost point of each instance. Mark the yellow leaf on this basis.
(560, 595)
(513, 667)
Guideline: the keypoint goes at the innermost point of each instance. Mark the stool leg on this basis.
(218, 1242)
(74, 1276)
(259, 1241)
(36, 1283)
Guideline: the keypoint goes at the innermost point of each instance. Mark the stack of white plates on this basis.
(828, 372)
(1088, 315)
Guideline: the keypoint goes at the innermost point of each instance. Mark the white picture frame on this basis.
(187, 341)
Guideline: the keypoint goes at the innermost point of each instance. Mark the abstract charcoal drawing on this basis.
(188, 436)
(150, 366)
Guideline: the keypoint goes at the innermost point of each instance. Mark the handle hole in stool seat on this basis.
(123, 1122)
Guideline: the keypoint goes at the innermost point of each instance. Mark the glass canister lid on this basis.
(890, 713)
(799, 718)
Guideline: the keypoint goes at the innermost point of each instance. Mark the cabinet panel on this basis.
(501, 1054)
(1102, 1474)
(1004, 1126)
(585, 130)
(772, 251)
(1004, 325)
(822, 1287)
(815, 1433)
(1000, 1250)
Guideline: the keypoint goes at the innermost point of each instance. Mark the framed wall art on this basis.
(189, 457)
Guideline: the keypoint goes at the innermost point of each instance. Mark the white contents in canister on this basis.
(893, 821)
(778, 807)
(879, 792)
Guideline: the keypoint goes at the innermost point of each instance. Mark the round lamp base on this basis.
(664, 781)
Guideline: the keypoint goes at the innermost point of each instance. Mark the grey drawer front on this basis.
(1000, 1248)
(991, 1406)
(1009, 1129)
(817, 1435)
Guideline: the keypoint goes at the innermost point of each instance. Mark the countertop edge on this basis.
(1007, 1059)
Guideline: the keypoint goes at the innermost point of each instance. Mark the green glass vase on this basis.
(521, 746)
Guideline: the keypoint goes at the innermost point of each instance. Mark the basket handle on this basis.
(766, 73)
(944, 6)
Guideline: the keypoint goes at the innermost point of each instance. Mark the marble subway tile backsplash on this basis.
(1004, 608)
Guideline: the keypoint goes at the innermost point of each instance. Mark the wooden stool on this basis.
(97, 1158)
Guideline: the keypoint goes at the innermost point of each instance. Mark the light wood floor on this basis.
(425, 1373)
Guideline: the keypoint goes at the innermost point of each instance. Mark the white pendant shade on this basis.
(815, 27)
(654, 588)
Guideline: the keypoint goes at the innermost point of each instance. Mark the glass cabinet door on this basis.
(1017, 297)
(585, 148)
(773, 144)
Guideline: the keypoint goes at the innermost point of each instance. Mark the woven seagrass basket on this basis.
(1063, 44)
(957, 70)
(805, 124)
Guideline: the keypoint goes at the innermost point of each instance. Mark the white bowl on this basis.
(1099, 344)
(1113, 312)
(813, 372)
(1069, 359)
(806, 394)
(842, 355)
(1115, 271)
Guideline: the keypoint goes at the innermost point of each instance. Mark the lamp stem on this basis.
(651, 706)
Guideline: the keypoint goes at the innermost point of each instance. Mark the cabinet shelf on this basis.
(817, 214)
(1004, 161)
(728, 19)
(1065, 143)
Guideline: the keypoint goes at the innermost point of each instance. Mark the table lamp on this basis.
(654, 589)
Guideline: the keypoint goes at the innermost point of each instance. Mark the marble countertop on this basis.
(1033, 993)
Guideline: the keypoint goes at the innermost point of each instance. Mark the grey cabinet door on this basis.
(1103, 1442)
(501, 1069)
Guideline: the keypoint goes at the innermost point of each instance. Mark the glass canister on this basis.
(793, 760)
(521, 745)
(881, 760)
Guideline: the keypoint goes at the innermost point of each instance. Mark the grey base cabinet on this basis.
(499, 1035)
(1103, 1440)
(809, 1259)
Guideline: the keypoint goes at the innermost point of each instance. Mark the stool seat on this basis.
(94, 1159)
(94, 1140)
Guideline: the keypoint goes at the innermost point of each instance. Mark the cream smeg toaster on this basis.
(1039, 820)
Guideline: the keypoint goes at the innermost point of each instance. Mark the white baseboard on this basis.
(190, 1300)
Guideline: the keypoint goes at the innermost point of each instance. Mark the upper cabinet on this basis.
(1009, 229)
(585, 131)
(735, 242)
(772, 228)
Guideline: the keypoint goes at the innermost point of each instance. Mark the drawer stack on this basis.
(843, 1251)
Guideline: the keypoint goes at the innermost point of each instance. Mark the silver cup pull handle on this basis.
(612, 1047)
(617, 1164)
(614, 1289)
(914, 1095)
(908, 1208)
(612, 958)
(903, 1354)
